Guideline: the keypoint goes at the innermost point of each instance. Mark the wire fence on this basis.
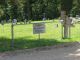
(24, 37)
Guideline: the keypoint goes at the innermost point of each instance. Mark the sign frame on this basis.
(38, 28)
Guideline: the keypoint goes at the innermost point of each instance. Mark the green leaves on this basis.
(2, 2)
(66, 5)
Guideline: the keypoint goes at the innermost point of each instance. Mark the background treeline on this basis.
(34, 9)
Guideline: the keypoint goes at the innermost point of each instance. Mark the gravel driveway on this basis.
(58, 53)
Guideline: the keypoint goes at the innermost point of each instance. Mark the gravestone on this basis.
(14, 21)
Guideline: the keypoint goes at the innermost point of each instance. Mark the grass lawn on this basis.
(24, 37)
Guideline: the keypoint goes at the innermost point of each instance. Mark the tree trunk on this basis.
(29, 10)
(65, 25)
(66, 28)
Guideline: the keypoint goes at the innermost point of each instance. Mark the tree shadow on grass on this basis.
(26, 43)
(4, 44)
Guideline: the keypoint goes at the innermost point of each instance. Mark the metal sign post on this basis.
(2, 23)
(12, 32)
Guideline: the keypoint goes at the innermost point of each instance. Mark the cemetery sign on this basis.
(38, 28)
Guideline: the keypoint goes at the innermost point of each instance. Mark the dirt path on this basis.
(62, 53)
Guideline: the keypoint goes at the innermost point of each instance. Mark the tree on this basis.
(2, 2)
(13, 9)
(3, 6)
(76, 8)
(66, 6)
(52, 9)
(27, 9)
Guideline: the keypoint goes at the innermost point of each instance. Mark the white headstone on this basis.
(14, 21)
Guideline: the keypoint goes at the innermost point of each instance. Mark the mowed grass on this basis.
(25, 39)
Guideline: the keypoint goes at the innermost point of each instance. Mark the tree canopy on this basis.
(35, 9)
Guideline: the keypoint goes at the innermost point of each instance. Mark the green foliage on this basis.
(31, 9)
(13, 6)
(28, 9)
(66, 5)
(2, 2)
(76, 8)
(35, 9)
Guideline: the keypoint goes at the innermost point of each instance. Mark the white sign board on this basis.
(38, 28)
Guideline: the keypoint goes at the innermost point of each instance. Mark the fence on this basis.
(24, 37)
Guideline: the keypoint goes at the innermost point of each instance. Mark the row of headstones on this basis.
(72, 20)
(14, 21)
(25, 21)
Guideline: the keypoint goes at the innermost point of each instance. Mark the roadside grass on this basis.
(25, 39)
